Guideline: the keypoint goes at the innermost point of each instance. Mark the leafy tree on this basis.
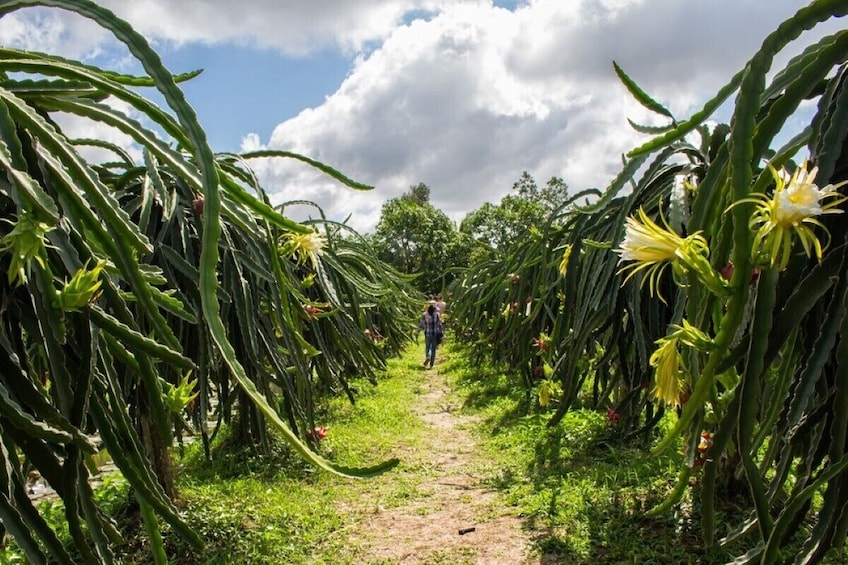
(552, 196)
(498, 226)
(420, 194)
(416, 238)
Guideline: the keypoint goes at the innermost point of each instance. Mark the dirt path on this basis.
(456, 520)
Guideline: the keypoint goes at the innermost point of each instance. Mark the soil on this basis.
(457, 520)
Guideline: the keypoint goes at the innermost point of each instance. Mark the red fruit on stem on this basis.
(198, 205)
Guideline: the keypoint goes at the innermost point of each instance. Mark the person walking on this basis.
(431, 323)
(441, 306)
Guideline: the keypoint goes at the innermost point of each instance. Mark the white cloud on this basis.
(289, 26)
(52, 31)
(467, 100)
(464, 98)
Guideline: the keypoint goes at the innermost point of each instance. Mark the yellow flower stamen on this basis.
(792, 211)
(304, 247)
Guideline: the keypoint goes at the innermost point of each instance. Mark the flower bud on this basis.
(83, 288)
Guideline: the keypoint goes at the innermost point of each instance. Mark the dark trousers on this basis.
(430, 344)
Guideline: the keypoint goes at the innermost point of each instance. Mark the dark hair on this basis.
(431, 309)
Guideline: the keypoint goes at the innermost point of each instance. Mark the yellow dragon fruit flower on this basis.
(647, 243)
(790, 212)
(566, 256)
(669, 363)
(652, 248)
(669, 369)
(304, 247)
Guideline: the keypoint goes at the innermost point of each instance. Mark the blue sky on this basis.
(463, 95)
(244, 89)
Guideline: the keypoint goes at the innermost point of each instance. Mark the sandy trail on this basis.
(457, 520)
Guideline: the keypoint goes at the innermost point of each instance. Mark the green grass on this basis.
(256, 510)
(584, 488)
(573, 482)
(578, 487)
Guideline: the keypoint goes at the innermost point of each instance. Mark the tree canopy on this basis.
(415, 237)
(498, 226)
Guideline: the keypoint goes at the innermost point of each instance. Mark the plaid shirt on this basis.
(432, 325)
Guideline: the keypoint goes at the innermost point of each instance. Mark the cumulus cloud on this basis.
(440, 103)
(52, 31)
(289, 26)
(461, 95)
(467, 100)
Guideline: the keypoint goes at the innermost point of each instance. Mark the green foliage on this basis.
(552, 196)
(416, 238)
(252, 507)
(419, 194)
(125, 275)
(762, 397)
(498, 227)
